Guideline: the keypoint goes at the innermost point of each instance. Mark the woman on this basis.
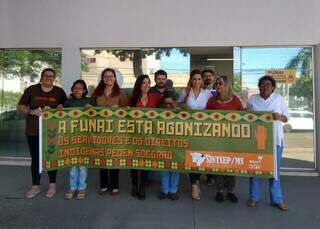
(268, 100)
(108, 94)
(35, 99)
(224, 100)
(196, 98)
(78, 174)
(169, 180)
(141, 97)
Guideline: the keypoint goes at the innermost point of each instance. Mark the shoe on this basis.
(69, 194)
(103, 191)
(51, 190)
(281, 206)
(219, 197)
(35, 190)
(174, 196)
(195, 192)
(81, 194)
(134, 191)
(251, 203)
(142, 196)
(115, 192)
(162, 196)
(232, 197)
(209, 182)
(142, 193)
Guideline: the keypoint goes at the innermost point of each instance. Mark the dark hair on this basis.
(160, 72)
(168, 94)
(101, 86)
(268, 78)
(136, 92)
(47, 70)
(207, 70)
(84, 86)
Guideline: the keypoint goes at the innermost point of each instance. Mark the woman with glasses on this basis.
(35, 99)
(195, 98)
(268, 100)
(224, 100)
(108, 94)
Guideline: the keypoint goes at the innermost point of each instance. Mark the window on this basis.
(20, 68)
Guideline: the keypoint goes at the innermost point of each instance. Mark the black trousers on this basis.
(139, 179)
(228, 182)
(109, 178)
(33, 142)
(194, 177)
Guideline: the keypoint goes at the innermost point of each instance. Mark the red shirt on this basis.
(153, 101)
(233, 104)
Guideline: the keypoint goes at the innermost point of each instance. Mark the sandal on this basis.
(35, 190)
(81, 194)
(51, 191)
(251, 203)
(69, 194)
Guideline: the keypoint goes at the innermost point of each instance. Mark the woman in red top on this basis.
(141, 97)
(225, 100)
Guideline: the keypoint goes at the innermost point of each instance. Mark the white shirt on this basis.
(194, 103)
(274, 104)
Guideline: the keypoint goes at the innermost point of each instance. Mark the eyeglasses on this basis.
(219, 83)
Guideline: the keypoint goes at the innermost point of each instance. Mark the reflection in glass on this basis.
(18, 70)
(130, 63)
(297, 91)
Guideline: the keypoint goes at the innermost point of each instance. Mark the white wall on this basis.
(124, 23)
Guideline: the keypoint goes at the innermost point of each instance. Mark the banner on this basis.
(219, 142)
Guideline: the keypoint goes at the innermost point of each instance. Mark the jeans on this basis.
(274, 184)
(78, 177)
(169, 182)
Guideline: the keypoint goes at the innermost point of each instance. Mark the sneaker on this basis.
(115, 192)
(174, 196)
(232, 197)
(209, 182)
(103, 191)
(81, 194)
(69, 194)
(51, 190)
(35, 190)
(162, 196)
(219, 197)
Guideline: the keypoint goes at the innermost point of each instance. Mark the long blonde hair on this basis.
(228, 91)
(189, 85)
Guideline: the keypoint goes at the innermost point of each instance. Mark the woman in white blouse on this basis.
(268, 100)
(195, 98)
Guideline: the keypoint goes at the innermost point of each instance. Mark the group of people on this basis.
(203, 91)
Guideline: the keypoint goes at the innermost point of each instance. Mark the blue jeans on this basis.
(169, 182)
(78, 177)
(274, 184)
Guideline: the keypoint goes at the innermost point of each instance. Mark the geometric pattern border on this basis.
(164, 114)
(80, 161)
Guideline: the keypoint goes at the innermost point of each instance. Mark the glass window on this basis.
(130, 63)
(20, 68)
(292, 67)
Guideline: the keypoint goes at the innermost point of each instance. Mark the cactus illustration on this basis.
(261, 136)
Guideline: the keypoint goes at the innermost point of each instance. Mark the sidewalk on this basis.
(302, 195)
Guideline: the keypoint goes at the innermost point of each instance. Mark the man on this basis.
(207, 77)
(160, 77)
(208, 83)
